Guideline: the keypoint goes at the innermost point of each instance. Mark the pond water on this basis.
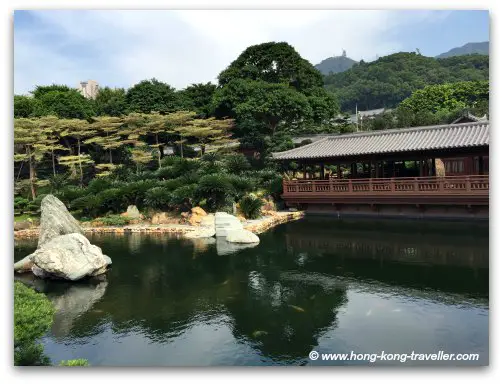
(333, 286)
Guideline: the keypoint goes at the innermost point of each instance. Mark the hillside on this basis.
(467, 49)
(335, 64)
(390, 79)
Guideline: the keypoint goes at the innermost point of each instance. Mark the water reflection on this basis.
(308, 284)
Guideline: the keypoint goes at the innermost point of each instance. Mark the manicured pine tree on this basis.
(49, 127)
(175, 123)
(78, 130)
(109, 126)
(26, 135)
(209, 131)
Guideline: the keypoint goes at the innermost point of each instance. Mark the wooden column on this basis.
(322, 171)
(339, 174)
(421, 168)
(304, 171)
(433, 168)
(481, 165)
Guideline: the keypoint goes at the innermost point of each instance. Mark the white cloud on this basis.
(120, 48)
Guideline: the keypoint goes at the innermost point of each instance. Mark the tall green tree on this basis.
(198, 98)
(151, 95)
(25, 106)
(64, 104)
(273, 62)
(111, 102)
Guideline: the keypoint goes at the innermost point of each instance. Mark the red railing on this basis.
(466, 185)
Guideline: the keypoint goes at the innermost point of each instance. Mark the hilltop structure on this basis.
(89, 89)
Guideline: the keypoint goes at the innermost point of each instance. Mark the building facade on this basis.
(89, 89)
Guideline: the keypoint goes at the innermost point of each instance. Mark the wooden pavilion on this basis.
(423, 171)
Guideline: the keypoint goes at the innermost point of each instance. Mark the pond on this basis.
(318, 284)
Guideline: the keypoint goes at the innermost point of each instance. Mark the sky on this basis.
(121, 48)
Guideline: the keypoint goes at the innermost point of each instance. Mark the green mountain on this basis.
(390, 79)
(335, 64)
(467, 49)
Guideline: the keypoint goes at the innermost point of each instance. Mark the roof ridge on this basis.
(304, 146)
(410, 129)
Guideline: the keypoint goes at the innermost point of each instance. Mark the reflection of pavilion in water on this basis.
(401, 249)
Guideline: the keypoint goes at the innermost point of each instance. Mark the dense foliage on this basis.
(32, 318)
(250, 206)
(391, 79)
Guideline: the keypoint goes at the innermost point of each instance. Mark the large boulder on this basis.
(55, 220)
(70, 257)
(24, 265)
(201, 232)
(242, 236)
(198, 211)
(225, 223)
(205, 229)
(133, 212)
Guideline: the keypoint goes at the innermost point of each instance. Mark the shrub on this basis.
(134, 193)
(20, 204)
(183, 195)
(236, 163)
(216, 189)
(34, 205)
(157, 198)
(58, 182)
(88, 205)
(110, 200)
(242, 185)
(32, 318)
(74, 363)
(114, 220)
(99, 184)
(70, 193)
(250, 206)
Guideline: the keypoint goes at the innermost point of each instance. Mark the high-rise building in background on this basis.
(89, 89)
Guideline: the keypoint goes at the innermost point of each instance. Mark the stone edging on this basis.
(257, 227)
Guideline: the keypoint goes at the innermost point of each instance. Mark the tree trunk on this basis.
(158, 149)
(80, 165)
(111, 160)
(53, 163)
(181, 147)
(32, 174)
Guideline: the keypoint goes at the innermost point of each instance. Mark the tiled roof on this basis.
(393, 141)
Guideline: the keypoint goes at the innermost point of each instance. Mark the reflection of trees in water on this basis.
(281, 295)
(70, 299)
(283, 315)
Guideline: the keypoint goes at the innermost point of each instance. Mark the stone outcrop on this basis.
(24, 265)
(198, 211)
(55, 220)
(225, 222)
(163, 218)
(206, 228)
(242, 236)
(70, 257)
(133, 212)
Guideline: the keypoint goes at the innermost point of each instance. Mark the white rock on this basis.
(133, 212)
(242, 236)
(201, 232)
(70, 257)
(55, 220)
(23, 265)
(225, 248)
(225, 223)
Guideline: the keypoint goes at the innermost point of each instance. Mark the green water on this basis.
(315, 284)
